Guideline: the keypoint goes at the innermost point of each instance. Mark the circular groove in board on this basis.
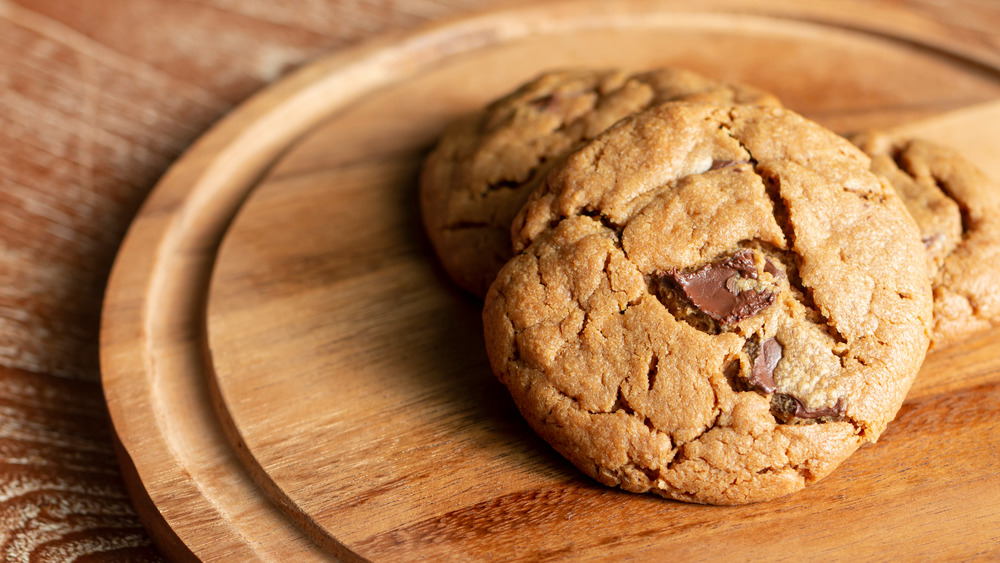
(279, 469)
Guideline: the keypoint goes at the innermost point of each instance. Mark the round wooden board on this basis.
(291, 376)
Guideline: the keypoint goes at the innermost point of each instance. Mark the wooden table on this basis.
(96, 100)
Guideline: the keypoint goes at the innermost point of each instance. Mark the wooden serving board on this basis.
(291, 377)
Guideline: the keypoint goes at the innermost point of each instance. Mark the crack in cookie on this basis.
(782, 216)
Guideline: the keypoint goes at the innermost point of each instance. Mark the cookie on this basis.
(957, 208)
(713, 304)
(484, 167)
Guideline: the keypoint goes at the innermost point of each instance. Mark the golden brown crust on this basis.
(593, 330)
(485, 166)
(957, 208)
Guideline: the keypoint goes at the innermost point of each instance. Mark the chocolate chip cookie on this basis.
(958, 211)
(713, 304)
(484, 167)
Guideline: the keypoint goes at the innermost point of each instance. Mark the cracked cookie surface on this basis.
(484, 167)
(713, 304)
(957, 208)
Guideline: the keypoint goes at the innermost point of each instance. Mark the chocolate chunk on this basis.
(802, 411)
(712, 289)
(762, 372)
(770, 268)
(743, 263)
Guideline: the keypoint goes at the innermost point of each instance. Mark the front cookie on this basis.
(713, 304)
(484, 166)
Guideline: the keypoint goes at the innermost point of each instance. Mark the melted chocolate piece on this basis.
(762, 372)
(801, 411)
(712, 289)
(743, 263)
(770, 268)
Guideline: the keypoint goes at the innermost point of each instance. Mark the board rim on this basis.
(174, 205)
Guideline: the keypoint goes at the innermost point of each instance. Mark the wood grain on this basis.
(96, 100)
(344, 406)
(59, 480)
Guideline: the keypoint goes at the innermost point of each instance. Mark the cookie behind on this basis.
(957, 208)
(485, 166)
